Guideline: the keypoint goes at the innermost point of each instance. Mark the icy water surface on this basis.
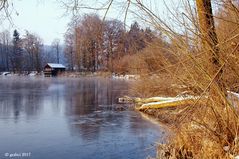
(50, 118)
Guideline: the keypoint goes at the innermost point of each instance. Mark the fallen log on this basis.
(158, 102)
(141, 101)
(167, 103)
(152, 99)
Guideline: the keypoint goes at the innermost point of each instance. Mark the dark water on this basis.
(71, 119)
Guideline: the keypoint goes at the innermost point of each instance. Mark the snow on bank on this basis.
(234, 94)
(159, 102)
(33, 73)
(169, 102)
(162, 102)
(126, 77)
(233, 98)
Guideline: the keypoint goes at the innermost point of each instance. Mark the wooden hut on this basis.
(53, 69)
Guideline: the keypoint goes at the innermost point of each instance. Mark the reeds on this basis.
(207, 128)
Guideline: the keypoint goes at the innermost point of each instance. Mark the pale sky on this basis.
(41, 17)
(45, 18)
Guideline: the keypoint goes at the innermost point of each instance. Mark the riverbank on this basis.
(194, 128)
(68, 74)
(104, 74)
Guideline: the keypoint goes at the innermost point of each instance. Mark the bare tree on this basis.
(88, 42)
(33, 44)
(69, 48)
(209, 39)
(207, 28)
(56, 47)
(4, 5)
(5, 49)
(114, 41)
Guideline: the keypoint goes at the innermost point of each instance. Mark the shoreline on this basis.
(102, 74)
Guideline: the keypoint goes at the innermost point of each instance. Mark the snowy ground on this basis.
(125, 77)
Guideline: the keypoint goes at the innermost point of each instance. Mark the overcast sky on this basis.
(45, 18)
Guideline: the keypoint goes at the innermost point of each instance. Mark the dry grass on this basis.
(206, 129)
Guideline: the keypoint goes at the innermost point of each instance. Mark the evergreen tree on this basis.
(17, 56)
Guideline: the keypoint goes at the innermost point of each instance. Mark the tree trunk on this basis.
(209, 38)
(207, 28)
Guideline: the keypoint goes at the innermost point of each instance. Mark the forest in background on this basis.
(27, 53)
(90, 45)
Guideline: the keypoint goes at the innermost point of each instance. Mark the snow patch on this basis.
(170, 100)
(125, 77)
(233, 93)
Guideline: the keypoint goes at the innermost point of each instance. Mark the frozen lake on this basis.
(51, 118)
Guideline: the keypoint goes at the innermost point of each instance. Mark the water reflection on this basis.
(19, 100)
(90, 107)
(71, 118)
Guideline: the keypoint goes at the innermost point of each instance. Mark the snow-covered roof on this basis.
(55, 65)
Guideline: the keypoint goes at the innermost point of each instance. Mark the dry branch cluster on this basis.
(201, 60)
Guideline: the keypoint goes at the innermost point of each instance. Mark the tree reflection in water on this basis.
(71, 118)
(91, 107)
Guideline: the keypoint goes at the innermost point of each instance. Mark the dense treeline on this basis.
(92, 44)
(23, 54)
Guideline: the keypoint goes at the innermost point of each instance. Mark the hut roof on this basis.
(55, 65)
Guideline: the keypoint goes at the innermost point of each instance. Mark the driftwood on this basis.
(158, 102)
(136, 100)
(163, 102)
(167, 103)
